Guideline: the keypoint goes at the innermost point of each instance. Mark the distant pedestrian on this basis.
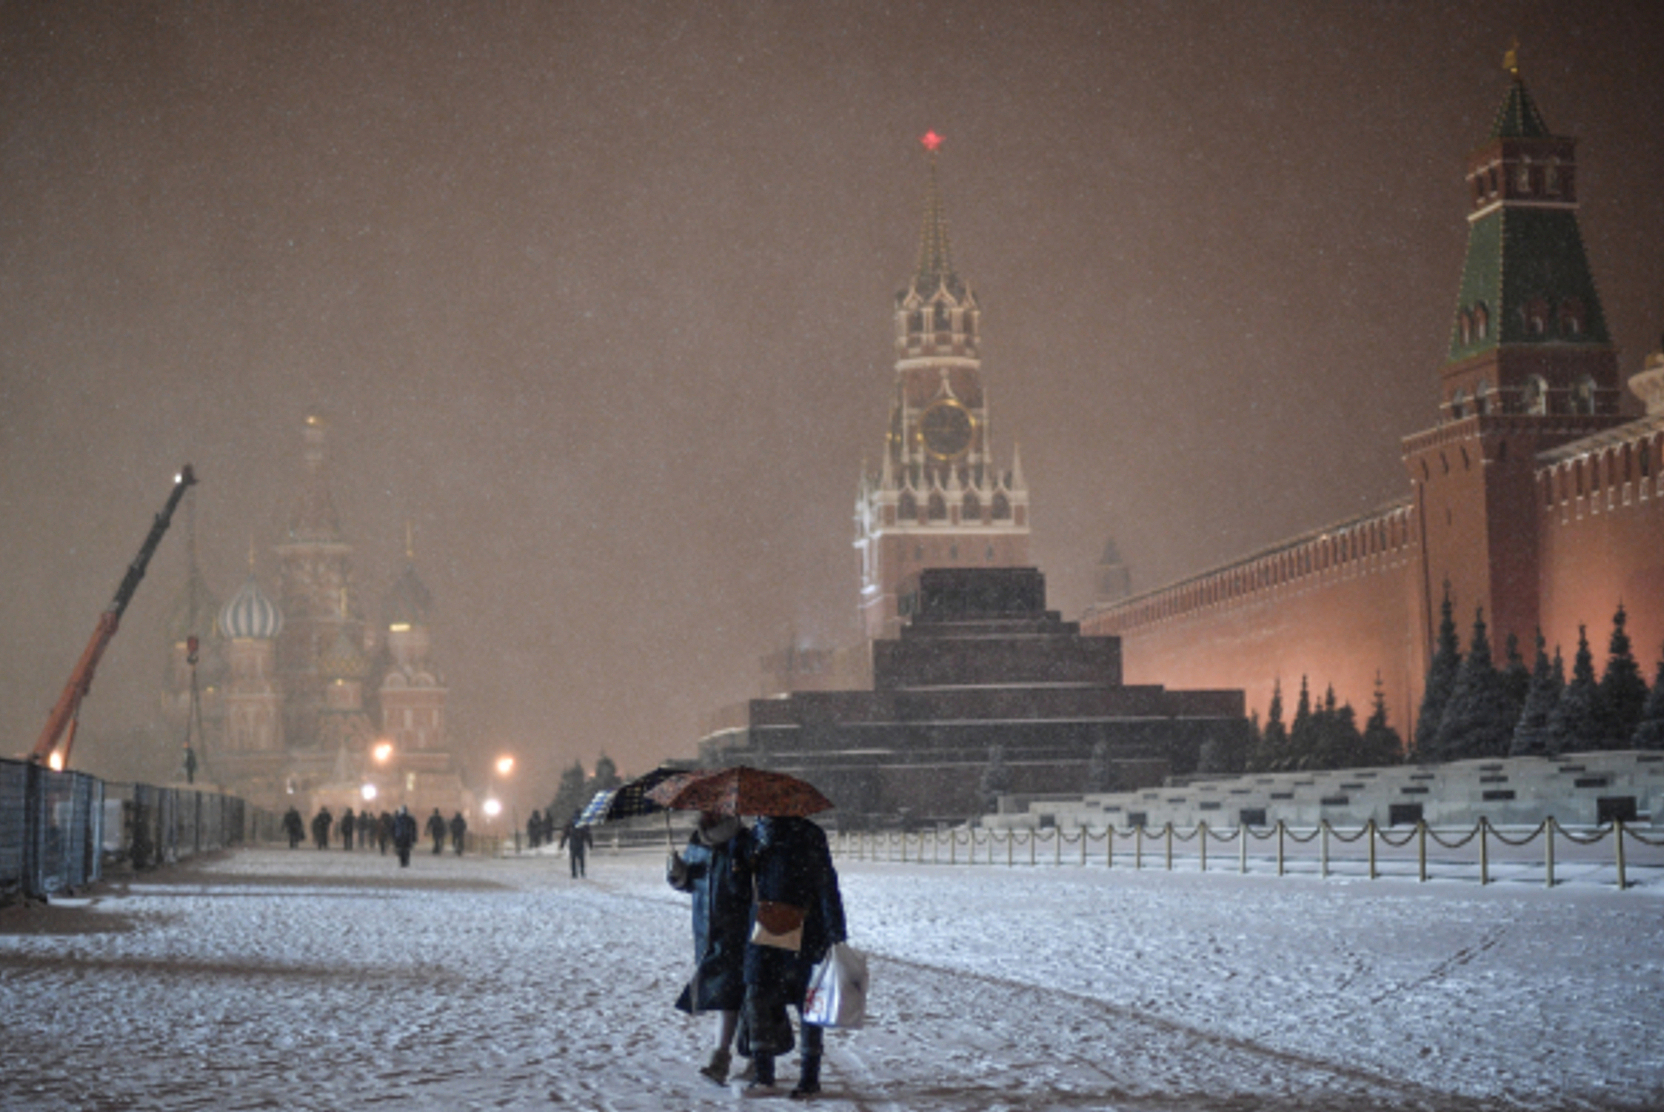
(712, 869)
(534, 830)
(404, 834)
(436, 831)
(294, 826)
(348, 822)
(384, 831)
(459, 829)
(549, 827)
(792, 866)
(576, 840)
(321, 823)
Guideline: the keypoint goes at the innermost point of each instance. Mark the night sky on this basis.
(598, 297)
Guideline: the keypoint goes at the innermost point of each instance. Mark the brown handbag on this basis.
(779, 925)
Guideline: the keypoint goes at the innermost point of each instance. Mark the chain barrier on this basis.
(865, 846)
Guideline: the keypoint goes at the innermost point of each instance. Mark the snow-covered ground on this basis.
(298, 979)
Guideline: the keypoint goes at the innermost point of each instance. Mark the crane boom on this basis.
(80, 680)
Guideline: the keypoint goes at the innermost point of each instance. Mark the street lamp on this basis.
(505, 765)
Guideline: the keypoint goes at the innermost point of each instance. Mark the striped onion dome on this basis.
(251, 614)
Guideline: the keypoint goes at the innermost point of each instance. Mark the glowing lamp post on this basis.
(505, 766)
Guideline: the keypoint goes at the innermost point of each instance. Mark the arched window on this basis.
(1551, 178)
(1002, 508)
(1459, 405)
(972, 510)
(1481, 321)
(907, 508)
(1535, 394)
(1583, 395)
(1483, 397)
(1535, 314)
(943, 321)
(1571, 317)
(938, 507)
(1464, 322)
(1522, 179)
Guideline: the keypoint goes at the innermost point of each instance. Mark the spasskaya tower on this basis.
(938, 497)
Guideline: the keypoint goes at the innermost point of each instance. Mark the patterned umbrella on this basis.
(742, 791)
(631, 799)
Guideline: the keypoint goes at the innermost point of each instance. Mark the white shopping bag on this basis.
(837, 995)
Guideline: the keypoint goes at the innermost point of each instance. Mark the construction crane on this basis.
(68, 709)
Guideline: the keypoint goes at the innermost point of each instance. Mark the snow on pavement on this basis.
(277, 979)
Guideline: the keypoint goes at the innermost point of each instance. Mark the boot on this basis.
(717, 1068)
(762, 1085)
(808, 1083)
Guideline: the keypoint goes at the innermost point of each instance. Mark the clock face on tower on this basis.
(946, 427)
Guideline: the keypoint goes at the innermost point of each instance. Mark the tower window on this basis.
(1583, 396)
(1551, 179)
(1002, 507)
(1459, 405)
(938, 507)
(1481, 321)
(1535, 313)
(1465, 324)
(1536, 395)
(1522, 179)
(1571, 317)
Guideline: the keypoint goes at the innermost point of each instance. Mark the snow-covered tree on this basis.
(1623, 692)
(1477, 718)
(1516, 678)
(1441, 679)
(1380, 744)
(1649, 732)
(1575, 724)
(1271, 747)
(1531, 731)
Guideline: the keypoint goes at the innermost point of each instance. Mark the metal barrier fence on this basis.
(57, 828)
(962, 845)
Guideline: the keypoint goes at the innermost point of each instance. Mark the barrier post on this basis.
(1279, 847)
(1484, 852)
(1109, 844)
(1057, 845)
(1421, 847)
(1010, 847)
(1323, 848)
(1084, 832)
(1138, 847)
(953, 847)
(1373, 875)
(1618, 840)
(1169, 845)
(1548, 852)
(1242, 848)
(1202, 842)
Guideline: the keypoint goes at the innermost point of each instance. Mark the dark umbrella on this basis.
(631, 798)
(742, 791)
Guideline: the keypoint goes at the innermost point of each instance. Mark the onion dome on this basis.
(250, 614)
(407, 602)
(344, 660)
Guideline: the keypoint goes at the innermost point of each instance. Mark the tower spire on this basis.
(935, 263)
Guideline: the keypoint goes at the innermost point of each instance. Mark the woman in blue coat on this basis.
(712, 868)
(792, 865)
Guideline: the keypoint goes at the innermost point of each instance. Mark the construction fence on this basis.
(1423, 852)
(58, 829)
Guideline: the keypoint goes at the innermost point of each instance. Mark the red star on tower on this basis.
(931, 141)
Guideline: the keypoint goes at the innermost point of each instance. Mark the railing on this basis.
(56, 828)
(961, 846)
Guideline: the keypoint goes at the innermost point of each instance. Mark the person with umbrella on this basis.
(798, 914)
(711, 868)
(792, 865)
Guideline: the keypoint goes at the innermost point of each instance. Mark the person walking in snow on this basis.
(404, 834)
(792, 866)
(712, 869)
(436, 831)
(321, 823)
(384, 831)
(576, 840)
(534, 830)
(459, 827)
(348, 823)
(294, 826)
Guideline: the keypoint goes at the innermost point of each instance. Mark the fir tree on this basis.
(1335, 737)
(1301, 742)
(1575, 725)
(1476, 719)
(569, 796)
(1516, 679)
(1649, 732)
(1380, 744)
(606, 775)
(1441, 679)
(1531, 731)
(996, 777)
(1272, 746)
(1622, 690)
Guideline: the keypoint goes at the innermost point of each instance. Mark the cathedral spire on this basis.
(935, 264)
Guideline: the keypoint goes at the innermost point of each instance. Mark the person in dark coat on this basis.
(534, 830)
(459, 827)
(384, 831)
(576, 840)
(348, 823)
(294, 826)
(436, 831)
(792, 865)
(712, 869)
(321, 823)
(404, 834)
